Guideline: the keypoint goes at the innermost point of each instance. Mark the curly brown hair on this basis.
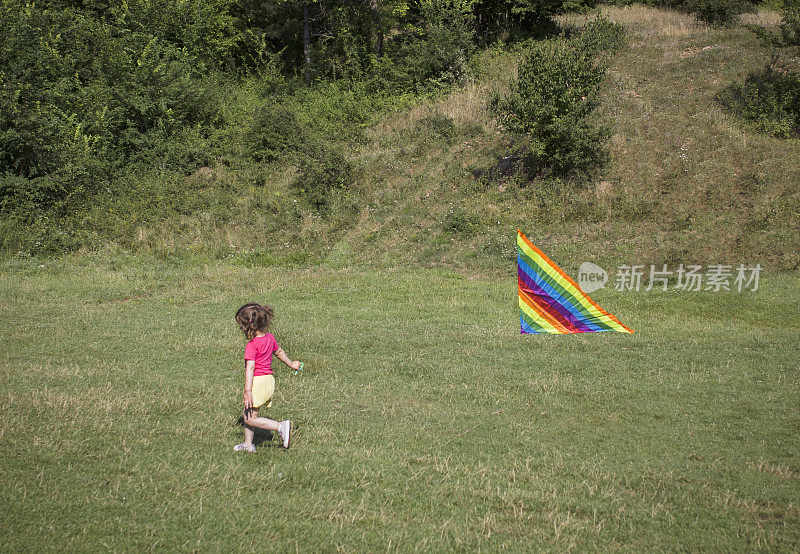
(254, 317)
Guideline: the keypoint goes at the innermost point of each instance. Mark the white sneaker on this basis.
(244, 448)
(284, 430)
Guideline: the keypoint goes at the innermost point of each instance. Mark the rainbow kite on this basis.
(551, 302)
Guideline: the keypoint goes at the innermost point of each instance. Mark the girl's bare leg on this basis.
(248, 434)
(251, 420)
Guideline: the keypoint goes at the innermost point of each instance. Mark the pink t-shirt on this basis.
(260, 349)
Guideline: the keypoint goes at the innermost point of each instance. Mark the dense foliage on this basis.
(82, 99)
(768, 99)
(99, 99)
(788, 32)
(554, 97)
(790, 27)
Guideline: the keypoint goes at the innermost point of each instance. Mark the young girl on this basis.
(259, 383)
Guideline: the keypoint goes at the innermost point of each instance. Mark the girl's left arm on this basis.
(285, 359)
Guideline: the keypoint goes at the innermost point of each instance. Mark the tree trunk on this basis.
(373, 8)
(306, 42)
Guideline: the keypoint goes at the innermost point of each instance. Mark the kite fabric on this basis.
(551, 302)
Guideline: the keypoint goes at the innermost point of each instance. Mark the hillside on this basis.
(685, 183)
(436, 181)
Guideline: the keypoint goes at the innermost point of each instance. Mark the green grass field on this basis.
(423, 419)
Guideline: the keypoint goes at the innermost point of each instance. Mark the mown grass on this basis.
(423, 419)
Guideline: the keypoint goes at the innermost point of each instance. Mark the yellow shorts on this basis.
(263, 389)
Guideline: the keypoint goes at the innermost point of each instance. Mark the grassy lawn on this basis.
(423, 420)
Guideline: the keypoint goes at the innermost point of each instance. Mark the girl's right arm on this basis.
(250, 366)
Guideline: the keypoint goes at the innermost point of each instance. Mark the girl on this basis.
(259, 383)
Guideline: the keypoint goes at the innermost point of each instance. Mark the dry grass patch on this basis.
(649, 21)
(464, 105)
(493, 70)
(765, 18)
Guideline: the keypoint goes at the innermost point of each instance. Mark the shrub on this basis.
(718, 13)
(338, 111)
(556, 92)
(273, 132)
(513, 19)
(602, 36)
(207, 29)
(77, 119)
(322, 172)
(461, 222)
(436, 127)
(768, 99)
(790, 27)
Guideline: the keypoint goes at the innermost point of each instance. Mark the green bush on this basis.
(74, 120)
(768, 99)
(508, 20)
(790, 27)
(273, 133)
(461, 222)
(602, 36)
(340, 111)
(436, 127)
(207, 29)
(550, 105)
(718, 13)
(347, 57)
(322, 172)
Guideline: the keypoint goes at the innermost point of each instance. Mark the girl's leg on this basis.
(248, 431)
(251, 420)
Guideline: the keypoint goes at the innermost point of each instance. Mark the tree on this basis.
(499, 18)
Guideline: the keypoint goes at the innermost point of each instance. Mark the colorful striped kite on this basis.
(551, 302)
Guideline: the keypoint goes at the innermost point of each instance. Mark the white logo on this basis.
(591, 277)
